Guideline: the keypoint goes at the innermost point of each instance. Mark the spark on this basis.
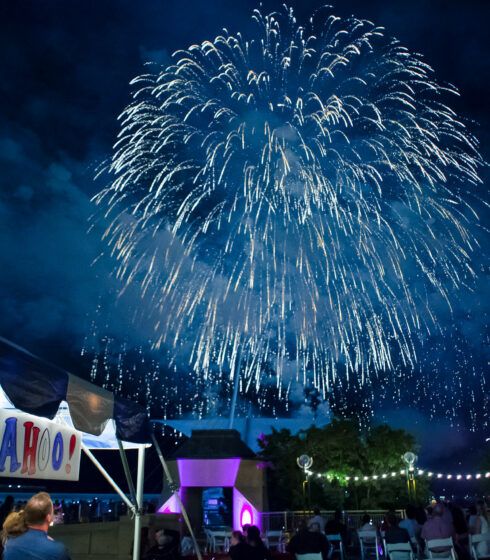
(299, 194)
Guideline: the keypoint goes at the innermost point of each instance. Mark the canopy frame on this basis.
(175, 490)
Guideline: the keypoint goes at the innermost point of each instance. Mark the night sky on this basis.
(66, 73)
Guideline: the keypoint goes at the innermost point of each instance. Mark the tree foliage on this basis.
(340, 452)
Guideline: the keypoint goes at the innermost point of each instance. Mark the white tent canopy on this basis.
(106, 440)
(107, 421)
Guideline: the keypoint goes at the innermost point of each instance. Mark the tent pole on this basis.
(127, 472)
(107, 476)
(176, 494)
(139, 501)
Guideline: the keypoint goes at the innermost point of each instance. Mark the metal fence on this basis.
(289, 521)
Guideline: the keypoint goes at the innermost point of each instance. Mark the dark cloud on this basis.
(46, 252)
(442, 446)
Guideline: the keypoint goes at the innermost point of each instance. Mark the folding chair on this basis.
(443, 549)
(335, 540)
(369, 544)
(216, 540)
(209, 541)
(477, 546)
(416, 547)
(399, 551)
(221, 540)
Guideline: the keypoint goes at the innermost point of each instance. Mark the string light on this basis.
(419, 472)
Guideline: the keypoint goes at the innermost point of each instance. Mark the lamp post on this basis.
(304, 463)
(410, 458)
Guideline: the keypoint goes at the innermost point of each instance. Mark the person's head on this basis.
(254, 536)
(481, 509)
(337, 515)
(39, 511)
(472, 510)
(366, 518)
(316, 511)
(236, 538)
(438, 510)
(459, 521)
(162, 539)
(156, 534)
(410, 512)
(14, 525)
(392, 519)
(245, 529)
(302, 527)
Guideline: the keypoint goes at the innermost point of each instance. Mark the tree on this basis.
(280, 450)
(340, 454)
(384, 450)
(483, 486)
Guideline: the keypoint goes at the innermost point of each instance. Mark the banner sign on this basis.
(34, 447)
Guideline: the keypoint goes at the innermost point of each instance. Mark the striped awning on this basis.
(38, 388)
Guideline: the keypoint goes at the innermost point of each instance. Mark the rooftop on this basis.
(213, 444)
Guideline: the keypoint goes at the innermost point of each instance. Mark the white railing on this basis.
(289, 521)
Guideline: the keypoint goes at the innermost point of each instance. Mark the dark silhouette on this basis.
(336, 527)
(167, 547)
(395, 534)
(239, 549)
(258, 550)
(461, 539)
(305, 542)
(6, 508)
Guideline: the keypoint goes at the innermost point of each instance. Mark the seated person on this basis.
(395, 534)
(437, 526)
(305, 542)
(410, 523)
(257, 549)
(366, 523)
(481, 527)
(336, 527)
(461, 539)
(239, 549)
(166, 548)
(316, 523)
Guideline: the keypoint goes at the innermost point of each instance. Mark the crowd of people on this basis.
(248, 545)
(438, 521)
(164, 545)
(25, 532)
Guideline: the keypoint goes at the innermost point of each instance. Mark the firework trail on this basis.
(299, 195)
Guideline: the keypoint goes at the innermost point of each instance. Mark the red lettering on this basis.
(30, 449)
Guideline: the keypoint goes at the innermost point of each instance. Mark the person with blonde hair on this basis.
(26, 532)
(13, 526)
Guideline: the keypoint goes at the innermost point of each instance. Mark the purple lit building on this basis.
(221, 480)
